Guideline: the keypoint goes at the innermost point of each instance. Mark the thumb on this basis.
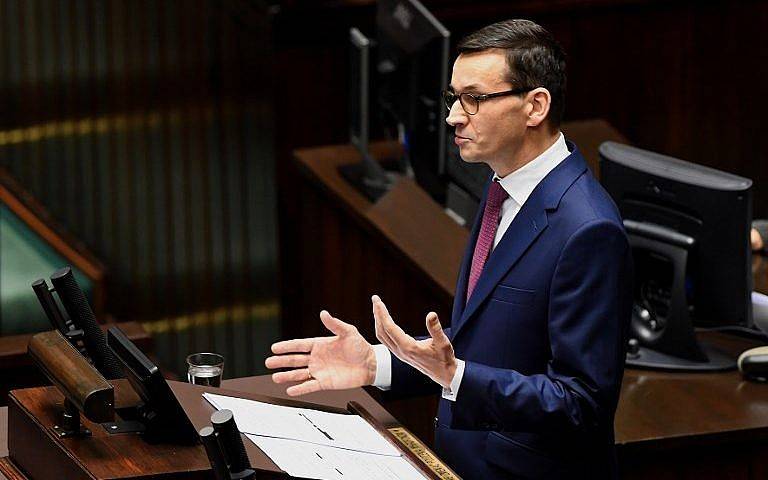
(336, 326)
(380, 311)
(435, 329)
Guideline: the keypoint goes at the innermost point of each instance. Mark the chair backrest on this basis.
(32, 246)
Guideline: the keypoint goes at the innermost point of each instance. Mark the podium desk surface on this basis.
(656, 409)
(42, 403)
(659, 410)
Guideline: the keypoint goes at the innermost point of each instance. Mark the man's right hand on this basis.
(345, 360)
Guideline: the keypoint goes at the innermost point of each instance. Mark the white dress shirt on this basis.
(519, 185)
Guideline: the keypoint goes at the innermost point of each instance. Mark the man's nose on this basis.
(456, 115)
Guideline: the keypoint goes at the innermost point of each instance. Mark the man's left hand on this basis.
(432, 356)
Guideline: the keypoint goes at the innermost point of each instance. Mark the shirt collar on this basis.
(520, 183)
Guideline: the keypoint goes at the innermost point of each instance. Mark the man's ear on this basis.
(539, 101)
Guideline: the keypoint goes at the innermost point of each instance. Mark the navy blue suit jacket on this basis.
(543, 338)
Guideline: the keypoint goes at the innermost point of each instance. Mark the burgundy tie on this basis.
(496, 196)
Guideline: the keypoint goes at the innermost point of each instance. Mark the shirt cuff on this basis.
(452, 391)
(383, 379)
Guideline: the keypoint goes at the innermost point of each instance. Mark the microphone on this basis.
(229, 437)
(57, 319)
(82, 317)
(215, 453)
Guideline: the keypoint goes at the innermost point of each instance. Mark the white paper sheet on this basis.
(349, 432)
(328, 463)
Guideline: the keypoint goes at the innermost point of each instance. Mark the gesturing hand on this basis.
(432, 356)
(345, 360)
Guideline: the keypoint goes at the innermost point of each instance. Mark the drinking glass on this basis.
(205, 369)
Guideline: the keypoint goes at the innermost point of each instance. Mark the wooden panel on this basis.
(8, 470)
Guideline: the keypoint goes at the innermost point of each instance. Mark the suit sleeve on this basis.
(588, 317)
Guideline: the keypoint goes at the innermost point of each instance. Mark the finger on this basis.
(304, 388)
(394, 331)
(435, 329)
(287, 361)
(299, 375)
(336, 326)
(296, 345)
(380, 313)
(390, 329)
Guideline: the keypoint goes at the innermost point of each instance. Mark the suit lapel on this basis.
(527, 226)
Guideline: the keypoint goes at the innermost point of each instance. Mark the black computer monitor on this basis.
(367, 176)
(688, 226)
(161, 414)
(465, 183)
(411, 71)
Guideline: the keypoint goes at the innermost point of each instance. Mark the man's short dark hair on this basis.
(534, 58)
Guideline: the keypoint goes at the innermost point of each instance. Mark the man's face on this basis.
(494, 134)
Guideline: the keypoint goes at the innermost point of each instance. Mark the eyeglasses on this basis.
(470, 102)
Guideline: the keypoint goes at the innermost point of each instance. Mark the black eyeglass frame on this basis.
(450, 97)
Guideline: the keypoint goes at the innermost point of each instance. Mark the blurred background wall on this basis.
(146, 129)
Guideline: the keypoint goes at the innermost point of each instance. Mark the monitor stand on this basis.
(642, 357)
(662, 328)
(370, 177)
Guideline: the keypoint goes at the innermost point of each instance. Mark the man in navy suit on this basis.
(531, 366)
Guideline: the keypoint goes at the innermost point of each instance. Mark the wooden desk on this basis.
(33, 411)
(5, 464)
(687, 425)
(404, 247)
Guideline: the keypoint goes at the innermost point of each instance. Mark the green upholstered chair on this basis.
(32, 247)
(25, 257)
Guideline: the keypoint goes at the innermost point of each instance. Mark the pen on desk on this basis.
(320, 429)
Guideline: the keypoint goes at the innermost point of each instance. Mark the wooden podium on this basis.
(36, 452)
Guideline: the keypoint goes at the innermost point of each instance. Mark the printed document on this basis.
(314, 444)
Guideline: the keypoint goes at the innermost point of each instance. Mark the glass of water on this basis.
(205, 369)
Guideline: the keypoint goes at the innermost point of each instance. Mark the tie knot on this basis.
(496, 195)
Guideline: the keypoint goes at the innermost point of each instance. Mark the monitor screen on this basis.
(163, 416)
(359, 88)
(688, 226)
(411, 70)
